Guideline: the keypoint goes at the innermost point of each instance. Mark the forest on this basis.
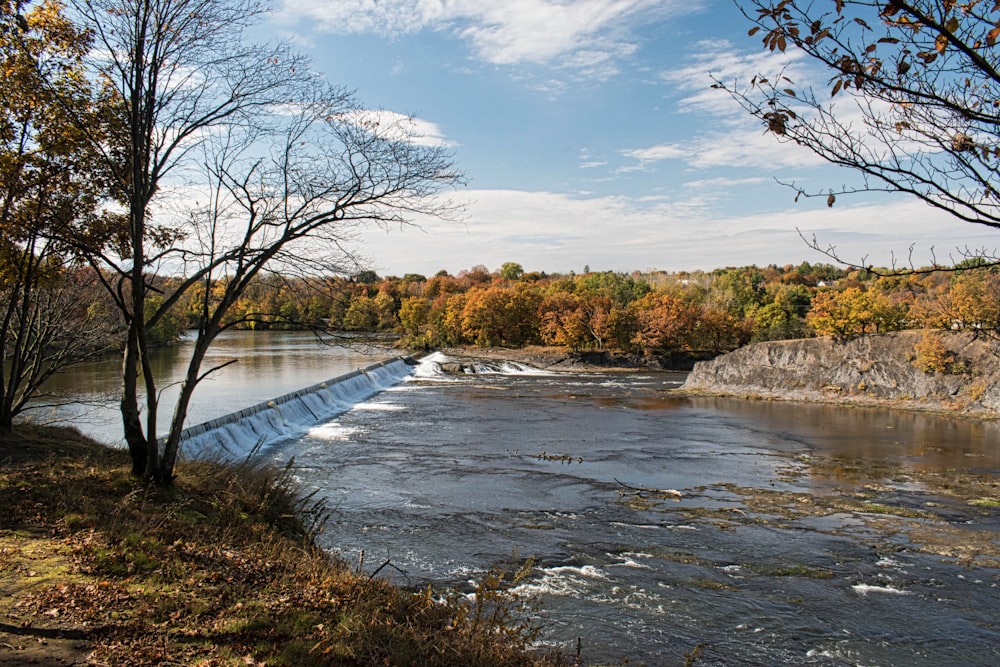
(643, 313)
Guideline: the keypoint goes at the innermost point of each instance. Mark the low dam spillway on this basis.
(236, 435)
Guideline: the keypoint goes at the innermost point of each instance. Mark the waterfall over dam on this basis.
(235, 435)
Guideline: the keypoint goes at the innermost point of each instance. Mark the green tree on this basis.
(623, 289)
(385, 308)
(511, 271)
(362, 314)
(413, 318)
(737, 291)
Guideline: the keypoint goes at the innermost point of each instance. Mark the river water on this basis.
(781, 534)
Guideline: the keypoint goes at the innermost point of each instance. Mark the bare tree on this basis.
(188, 90)
(288, 196)
(171, 71)
(912, 102)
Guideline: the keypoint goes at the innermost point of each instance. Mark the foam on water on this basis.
(631, 559)
(236, 435)
(563, 580)
(378, 407)
(332, 432)
(865, 589)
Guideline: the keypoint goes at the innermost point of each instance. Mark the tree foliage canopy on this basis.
(48, 185)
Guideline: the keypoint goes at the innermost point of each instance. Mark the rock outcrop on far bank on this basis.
(875, 369)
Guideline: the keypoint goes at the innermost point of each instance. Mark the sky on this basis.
(591, 138)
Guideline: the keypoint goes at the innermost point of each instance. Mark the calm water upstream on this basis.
(269, 364)
(805, 535)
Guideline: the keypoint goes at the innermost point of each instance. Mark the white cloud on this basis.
(557, 233)
(587, 36)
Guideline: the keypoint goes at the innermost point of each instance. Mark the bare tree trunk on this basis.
(191, 379)
(130, 406)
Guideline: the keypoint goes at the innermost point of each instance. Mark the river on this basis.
(665, 527)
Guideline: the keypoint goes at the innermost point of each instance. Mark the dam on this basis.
(239, 434)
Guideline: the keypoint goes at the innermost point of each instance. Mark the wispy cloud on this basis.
(586, 36)
(736, 139)
(397, 126)
(647, 156)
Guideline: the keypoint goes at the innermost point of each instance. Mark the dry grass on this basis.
(218, 570)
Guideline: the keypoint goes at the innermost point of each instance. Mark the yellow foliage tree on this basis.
(854, 311)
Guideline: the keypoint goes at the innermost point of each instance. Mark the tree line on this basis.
(651, 313)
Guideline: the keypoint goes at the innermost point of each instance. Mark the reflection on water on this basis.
(866, 440)
(447, 477)
(269, 364)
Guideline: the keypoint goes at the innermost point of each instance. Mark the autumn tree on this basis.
(717, 331)
(663, 323)
(970, 302)
(47, 186)
(499, 315)
(562, 321)
(413, 320)
(854, 311)
(912, 102)
(361, 315)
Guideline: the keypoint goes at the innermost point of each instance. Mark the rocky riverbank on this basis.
(887, 369)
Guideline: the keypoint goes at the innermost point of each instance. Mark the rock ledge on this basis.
(875, 369)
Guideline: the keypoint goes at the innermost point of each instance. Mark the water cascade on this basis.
(235, 435)
(438, 364)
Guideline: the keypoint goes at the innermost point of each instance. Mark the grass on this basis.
(220, 569)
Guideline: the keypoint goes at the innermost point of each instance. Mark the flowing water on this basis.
(661, 527)
(803, 534)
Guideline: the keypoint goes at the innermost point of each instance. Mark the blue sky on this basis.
(591, 137)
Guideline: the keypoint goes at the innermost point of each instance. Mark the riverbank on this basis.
(219, 570)
(939, 371)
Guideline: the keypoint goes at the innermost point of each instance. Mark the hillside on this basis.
(889, 368)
